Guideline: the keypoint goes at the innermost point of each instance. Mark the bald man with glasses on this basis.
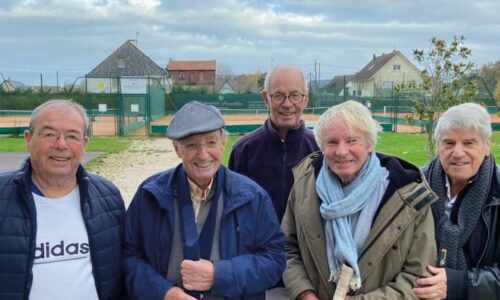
(268, 154)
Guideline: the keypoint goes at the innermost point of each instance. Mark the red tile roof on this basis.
(191, 65)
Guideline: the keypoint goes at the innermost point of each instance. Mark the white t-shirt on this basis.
(62, 268)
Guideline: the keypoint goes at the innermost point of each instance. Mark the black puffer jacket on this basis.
(481, 280)
(102, 210)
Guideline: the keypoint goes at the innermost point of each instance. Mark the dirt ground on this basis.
(144, 158)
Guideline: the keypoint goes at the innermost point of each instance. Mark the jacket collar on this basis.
(24, 172)
(401, 172)
(293, 135)
(163, 190)
(162, 187)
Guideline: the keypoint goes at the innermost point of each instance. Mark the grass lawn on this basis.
(408, 146)
(96, 144)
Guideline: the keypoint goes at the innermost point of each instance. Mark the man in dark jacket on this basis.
(200, 230)
(466, 179)
(268, 154)
(60, 227)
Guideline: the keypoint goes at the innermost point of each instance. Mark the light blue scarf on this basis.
(340, 206)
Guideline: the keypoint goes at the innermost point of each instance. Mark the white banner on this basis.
(134, 85)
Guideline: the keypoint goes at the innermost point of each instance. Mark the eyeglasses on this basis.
(195, 147)
(51, 136)
(294, 97)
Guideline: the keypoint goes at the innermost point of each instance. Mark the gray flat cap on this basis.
(193, 118)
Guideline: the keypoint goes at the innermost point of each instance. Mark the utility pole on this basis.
(315, 71)
(313, 86)
(316, 88)
(319, 85)
(57, 81)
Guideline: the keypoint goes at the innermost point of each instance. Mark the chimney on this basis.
(374, 56)
(133, 42)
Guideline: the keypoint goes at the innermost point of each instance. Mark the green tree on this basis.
(444, 82)
(497, 93)
(490, 73)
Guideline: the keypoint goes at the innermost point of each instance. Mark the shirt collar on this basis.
(197, 194)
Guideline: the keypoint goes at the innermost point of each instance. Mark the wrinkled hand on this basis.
(434, 287)
(197, 275)
(176, 293)
(308, 295)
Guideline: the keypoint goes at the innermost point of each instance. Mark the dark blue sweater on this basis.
(266, 158)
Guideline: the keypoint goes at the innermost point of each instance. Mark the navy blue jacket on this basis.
(266, 158)
(252, 253)
(103, 211)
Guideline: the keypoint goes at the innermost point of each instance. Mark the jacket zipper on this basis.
(31, 261)
(283, 171)
(487, 233)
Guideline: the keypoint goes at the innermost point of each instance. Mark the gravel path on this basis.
(144, 158)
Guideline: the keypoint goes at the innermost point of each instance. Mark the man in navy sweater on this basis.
(268, 154)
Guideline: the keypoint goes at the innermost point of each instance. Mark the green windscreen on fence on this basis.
(227, 102)
(157, 100)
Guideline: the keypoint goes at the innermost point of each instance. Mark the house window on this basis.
(359, 93)
(181, 75)
(354, 92)
(387, 84)
(396, 67)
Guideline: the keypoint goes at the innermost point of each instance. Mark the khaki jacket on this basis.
(396, 252)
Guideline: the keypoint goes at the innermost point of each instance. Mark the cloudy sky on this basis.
(70, 37)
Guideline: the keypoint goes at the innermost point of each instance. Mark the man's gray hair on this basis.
(355, 115)
(464, 117)
(270, 73)
(61, 103)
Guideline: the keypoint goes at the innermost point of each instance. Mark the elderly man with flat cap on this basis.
(200, 230)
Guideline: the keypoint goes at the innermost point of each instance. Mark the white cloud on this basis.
(244, 35)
